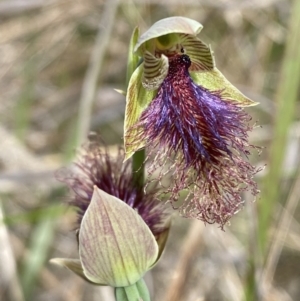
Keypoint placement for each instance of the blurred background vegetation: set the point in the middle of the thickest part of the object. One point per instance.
(60, 61)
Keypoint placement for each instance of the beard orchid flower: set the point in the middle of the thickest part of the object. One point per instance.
(121, 231)
(192, 122)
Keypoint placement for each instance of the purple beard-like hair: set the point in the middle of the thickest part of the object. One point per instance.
(96, 167)
(199, 141)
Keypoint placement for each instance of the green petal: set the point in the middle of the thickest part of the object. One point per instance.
(167, 26)
(215, 81)
(200, 54)
(155, 70)
(115, 245)
(137, 100)
(73, 265)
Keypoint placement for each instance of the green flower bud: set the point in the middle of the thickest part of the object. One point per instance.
(116, 247)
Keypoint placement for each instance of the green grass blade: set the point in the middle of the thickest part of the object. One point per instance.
(286, 98)
(41, 240)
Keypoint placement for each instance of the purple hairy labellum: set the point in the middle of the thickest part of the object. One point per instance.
(199, 139)
(95, 167)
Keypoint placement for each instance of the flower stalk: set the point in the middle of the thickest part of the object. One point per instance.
(138, 169)
(135, 292)
(139, 290)
(138, 158)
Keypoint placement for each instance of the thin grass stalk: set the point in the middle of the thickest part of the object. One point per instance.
(255, 260)
(189, 246)
(92, 74)
(286, 98)
(24, 105)
(41, 241)
(281, 232)
(8, 269)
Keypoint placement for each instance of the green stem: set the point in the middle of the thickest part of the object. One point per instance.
(143, 290)
(132, 293)
(138, 167)
(139, 157)
(133, 59)
(135, 292)
(251, 288)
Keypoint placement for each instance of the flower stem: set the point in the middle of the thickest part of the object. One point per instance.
(139, 157)
(132, 293)
(133, 59)
(138, 167)
(135, 292)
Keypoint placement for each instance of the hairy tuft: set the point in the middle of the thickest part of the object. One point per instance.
(199, 140)
(95, 166)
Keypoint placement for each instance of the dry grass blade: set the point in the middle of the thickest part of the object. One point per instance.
(13, 7)
(8, 270)
(281, 233)
(286, 97)
(94, 68)
(190, 245)
(230, 249)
